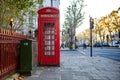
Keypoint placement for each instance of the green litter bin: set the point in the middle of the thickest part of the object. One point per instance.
(27, 56)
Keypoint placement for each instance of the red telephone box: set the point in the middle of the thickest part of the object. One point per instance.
(48, 36)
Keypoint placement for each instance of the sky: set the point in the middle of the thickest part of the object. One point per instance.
(94, 8)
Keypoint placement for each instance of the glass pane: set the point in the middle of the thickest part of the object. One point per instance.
(47, 36)
(53, 28)
(52, 36)
(45, 53)
(52, 43)
(52, 32)
(47, 43)
(48, 32)
(49, 53)
(48, 24)
(48, 47)
(52, 47)
(45, 48)
(52, 53)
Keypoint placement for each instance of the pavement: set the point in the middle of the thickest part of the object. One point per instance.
(79, 67)
(64, 49)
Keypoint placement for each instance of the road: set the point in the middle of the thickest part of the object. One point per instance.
(107, 52)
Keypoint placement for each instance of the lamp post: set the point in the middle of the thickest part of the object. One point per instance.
(11, 24)
(91, 27)
(51, 2)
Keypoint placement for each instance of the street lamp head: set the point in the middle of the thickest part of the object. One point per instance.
(11, 19)
(91, 23)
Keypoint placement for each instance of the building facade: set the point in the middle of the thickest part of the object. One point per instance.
(53, 3)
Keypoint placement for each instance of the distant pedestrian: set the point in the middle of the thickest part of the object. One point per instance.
(62, 45)
(84, 46)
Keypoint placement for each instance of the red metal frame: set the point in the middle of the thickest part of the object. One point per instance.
(48, 36)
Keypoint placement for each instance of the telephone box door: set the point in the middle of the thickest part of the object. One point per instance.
(48, 40)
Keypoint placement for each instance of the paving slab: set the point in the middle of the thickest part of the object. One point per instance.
(79, 67)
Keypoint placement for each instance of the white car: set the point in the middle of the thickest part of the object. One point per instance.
(116, 44)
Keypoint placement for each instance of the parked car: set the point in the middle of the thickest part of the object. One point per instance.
(97, 44)
(101, 44)
(115, 44)
(105, 45)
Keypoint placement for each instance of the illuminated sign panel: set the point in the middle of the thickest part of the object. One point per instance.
(49, 15)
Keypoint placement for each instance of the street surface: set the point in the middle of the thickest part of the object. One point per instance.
(107, 52)
(77, 65)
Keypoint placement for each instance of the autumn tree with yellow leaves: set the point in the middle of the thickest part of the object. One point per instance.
(106, 26)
